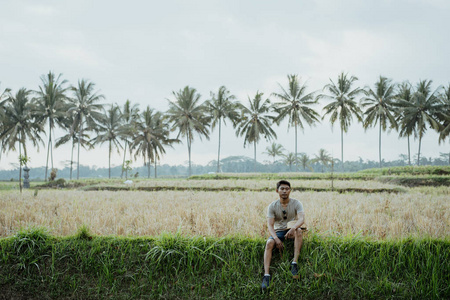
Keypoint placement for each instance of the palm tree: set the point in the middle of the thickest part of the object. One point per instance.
(420, 111)
(323, 158)
(344, 106)
(222, 107)
(295, 104)
(188, 116)
(379, 106)
(3, 99)
(108, 131)
(51, 106)
(85, 110)
(256, 121)
(444, 115)
(129, 118)
(72, 136)
(150, 137)
(405, 94)
(289, 160)
(274, 150)
(304, 161)
(20, 125)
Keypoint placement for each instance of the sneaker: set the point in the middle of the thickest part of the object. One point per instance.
(294, 270)
(265, 282)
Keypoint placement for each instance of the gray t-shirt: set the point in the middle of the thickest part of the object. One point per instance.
(275, 210)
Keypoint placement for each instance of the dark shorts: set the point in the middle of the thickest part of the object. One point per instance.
(280, 235)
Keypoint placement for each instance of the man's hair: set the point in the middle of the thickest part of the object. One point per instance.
(283, 182)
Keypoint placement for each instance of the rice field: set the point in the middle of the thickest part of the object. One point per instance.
(420, 212)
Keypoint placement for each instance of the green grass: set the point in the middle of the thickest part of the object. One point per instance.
(180, 267)
(409, 170)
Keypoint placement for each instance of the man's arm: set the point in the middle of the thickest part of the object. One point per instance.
(298, 224)
(270, 225)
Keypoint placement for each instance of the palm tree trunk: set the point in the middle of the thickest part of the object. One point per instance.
(148, 166)
(51, 152)
(189, 153)
(48, 149)
(20, 164)
(218, 153)
(342, 148)
(79, 142)
(418, 154)
(155, 167)
(109, 160)
(124, 155)
(71, 160)
(379, 144)
(254, 166)
(296, 162)
(409, 153)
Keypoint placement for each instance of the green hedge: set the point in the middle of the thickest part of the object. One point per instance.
(35, 264)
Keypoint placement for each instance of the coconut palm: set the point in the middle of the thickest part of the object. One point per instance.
(256, 121)
(130, 114)
(52, 108)
(405, 94)
(444, 115)
(188, 116)
(108, 130)
(420, 111)
(274, 150)
(222, 107)
(379, 107)
(20, 125)
(289, 160)
(344, 105)
(150, 137)
(85, 110)
(304, 161)
(323, 158)
(295, 104)
(72, 136)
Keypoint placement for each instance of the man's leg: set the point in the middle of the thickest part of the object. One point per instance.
(298, 242)
(268, 255)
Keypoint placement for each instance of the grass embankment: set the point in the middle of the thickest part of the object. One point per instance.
(36, 265)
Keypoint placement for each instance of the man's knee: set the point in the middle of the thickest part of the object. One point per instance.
(270, 244)
(299, 232)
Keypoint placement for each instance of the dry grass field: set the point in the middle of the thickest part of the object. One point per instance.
(421, 212)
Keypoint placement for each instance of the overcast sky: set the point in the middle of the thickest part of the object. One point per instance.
(144, 50)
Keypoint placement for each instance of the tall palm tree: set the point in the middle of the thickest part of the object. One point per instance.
(421, 110)
(20, 125)
(405, 94)
(256, 121)
(274, 150)
(222, 107)
(295, 104)
(304, 161)
(130, 114)
(323, 158)
(188, 116)
(72, 136)
(379, 107)
(289, 160)
(150, 137)
(85, 109)
(344, 106)
(108, 131)
(52, 108)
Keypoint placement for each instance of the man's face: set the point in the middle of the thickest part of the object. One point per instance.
(284, 190)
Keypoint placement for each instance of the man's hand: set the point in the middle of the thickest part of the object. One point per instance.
(279, 244)
(290, 234)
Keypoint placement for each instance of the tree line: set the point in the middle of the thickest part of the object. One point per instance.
(26, 115)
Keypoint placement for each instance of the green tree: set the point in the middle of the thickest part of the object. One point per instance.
(405, 94)
(51, 107)
(323, 158)
(444, 115)
(107, 130)
(343, 106)
(222, 107)
(304, 161)
(20, 125)
(130, 114)
(421, 111)
(72, 136)
(274, 150)
(289, 160)
(379, 108)
(188, 116)
(256, 121)
(295, 104)
(85, 110)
